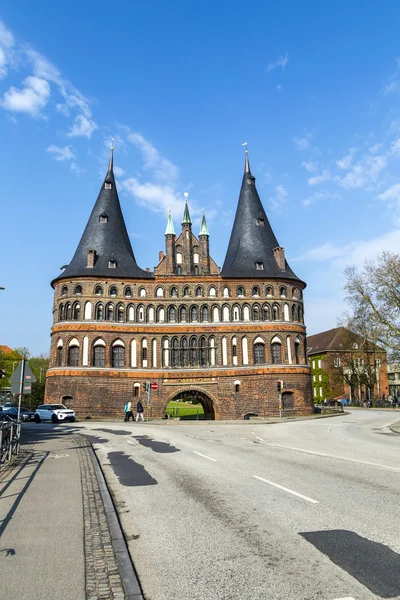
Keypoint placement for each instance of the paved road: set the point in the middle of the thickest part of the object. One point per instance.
(304, 510)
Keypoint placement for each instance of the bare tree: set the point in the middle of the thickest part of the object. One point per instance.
(374, 297)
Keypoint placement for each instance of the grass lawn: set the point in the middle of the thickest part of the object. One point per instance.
(181, 409)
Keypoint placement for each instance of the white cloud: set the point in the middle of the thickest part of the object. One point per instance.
(61, 154)
(303, 143)
(364, 172)
(375, 148)
(279, 199)
(280, 62)
(77, 169)
(392, 198)
(395, 146)
(279, 87)
(309, 166)
(6, 37)
(345, 162)
(324, 176)
(157, 198)
(3, 64)
(307, 202)
(6, 44)
(354, 253)
(30, 99)
(118, 171)
(162, 168)
(82, 126)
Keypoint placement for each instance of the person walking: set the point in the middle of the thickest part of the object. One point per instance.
(128, 411)
(139, 408)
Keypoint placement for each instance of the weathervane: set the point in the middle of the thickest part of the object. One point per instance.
(186, 194)
(245, 144)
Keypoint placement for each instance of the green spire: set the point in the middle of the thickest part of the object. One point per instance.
(186, 215)
(170, 225)
(204, 228)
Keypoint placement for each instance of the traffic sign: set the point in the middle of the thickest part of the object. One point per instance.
(26, 388)
(154, 385)
(29, 376)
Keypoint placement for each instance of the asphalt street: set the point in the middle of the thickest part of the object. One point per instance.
(302, 510)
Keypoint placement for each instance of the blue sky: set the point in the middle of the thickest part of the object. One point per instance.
(313, 87)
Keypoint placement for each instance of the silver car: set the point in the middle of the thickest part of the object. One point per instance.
(55, 413)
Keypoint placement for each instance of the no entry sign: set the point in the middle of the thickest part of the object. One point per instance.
(154, 385)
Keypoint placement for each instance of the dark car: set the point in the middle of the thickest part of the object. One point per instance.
(25, 413)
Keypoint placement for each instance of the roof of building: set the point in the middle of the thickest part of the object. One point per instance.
(203, 227)
(252, 239)
(108, 237)
(337, 340)
(170, 229)
(324, 341)
(6, 349)
(186, 215)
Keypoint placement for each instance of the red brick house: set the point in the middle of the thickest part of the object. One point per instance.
(346, 365)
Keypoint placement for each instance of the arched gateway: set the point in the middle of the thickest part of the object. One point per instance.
(201, 396)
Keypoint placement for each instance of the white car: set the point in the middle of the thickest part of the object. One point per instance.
(54, 413)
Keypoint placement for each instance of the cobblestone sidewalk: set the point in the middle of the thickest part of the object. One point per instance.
(103, 580)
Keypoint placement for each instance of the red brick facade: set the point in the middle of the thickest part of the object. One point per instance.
(225, 341)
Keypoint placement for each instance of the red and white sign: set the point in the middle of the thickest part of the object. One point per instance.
(154, 385)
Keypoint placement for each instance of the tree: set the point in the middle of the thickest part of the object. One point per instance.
(8, 363)
(374, 297)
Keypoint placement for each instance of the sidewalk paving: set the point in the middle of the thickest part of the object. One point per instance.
(55, 536)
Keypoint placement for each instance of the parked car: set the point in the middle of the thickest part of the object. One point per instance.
(54, 412)
(25, 413)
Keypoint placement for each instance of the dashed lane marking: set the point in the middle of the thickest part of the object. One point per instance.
(204, 456)
(285, 489)
(130, 442)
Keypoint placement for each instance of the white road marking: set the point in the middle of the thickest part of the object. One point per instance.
(204, 456)
(130, 442)
(361, 462)
(285, 489)
(347, 598)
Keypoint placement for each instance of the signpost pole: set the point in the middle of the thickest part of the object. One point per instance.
(21, 386)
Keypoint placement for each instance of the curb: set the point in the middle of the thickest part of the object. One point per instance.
(395, 428)
(130, 582)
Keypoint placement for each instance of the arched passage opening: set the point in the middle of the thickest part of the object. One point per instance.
(191, 404)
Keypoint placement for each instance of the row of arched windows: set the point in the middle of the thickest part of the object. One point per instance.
(180, 314)
(199, 291)
(179, 352)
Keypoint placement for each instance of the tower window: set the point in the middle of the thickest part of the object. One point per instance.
(112, 264)
(259, 266)
(108, 185)
(103, 218)
(260, 222)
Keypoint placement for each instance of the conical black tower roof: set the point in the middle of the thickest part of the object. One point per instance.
(252, 239)
(106, 234)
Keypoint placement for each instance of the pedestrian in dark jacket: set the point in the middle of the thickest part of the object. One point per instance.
(139, 409)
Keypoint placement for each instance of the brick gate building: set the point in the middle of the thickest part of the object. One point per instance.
(222, 336)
